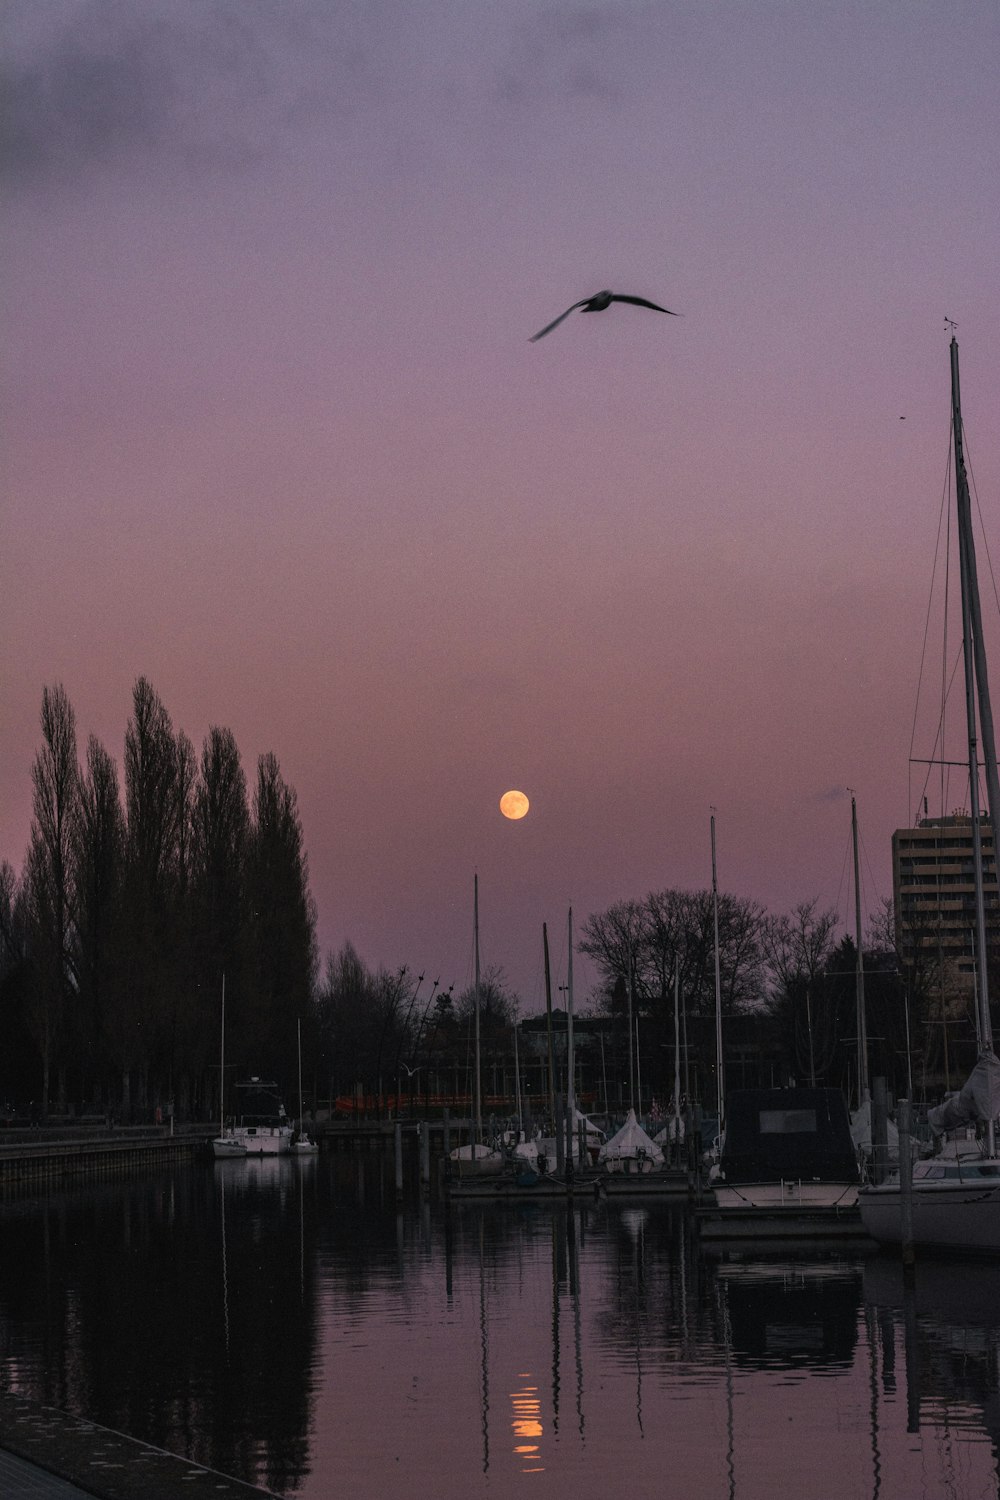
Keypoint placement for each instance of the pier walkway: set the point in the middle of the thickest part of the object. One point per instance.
(53, 1455)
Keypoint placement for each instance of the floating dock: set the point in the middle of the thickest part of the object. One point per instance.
(761, 1226)
(505, 1187)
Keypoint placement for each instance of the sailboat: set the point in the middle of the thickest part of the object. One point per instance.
(955, 1199)
(226, 1145)
(477, 1159)
(303, 1144)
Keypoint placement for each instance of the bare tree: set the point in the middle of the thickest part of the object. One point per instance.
(797, 946)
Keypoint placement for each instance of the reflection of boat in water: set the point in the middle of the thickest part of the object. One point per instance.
(786, 1149)
(950, 1327)
(955, 1200)
(792, 1314)
(263, 1129)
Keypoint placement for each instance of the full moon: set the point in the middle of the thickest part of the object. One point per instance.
(514, 804)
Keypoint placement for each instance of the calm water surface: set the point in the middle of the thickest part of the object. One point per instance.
(284, 1322)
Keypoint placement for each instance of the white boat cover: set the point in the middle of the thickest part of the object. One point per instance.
(594, 1133)
(978, 1099)
(631, 1141)
(861, 1131)
(672, 1131)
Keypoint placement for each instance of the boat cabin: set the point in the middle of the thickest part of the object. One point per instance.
(773, 1135)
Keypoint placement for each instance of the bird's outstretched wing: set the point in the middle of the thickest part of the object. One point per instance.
(642, 302)
(555, 323)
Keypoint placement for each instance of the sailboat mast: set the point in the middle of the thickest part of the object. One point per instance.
(222, 1065)
(570, 1058)
(548, 1021)
(677, 1037)
(976, 684)
(517, 1083)
(476, 1085)
(859, 969)
(298, 1037)
(719, 1067)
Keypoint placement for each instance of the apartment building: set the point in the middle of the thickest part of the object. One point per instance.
(934, 891)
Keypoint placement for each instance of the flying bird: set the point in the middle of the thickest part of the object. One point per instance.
(598, 303)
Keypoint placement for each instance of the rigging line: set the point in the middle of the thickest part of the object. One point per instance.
(843, 874)
(865, 861)
(938, 745)
(982, 523)
(944, 522)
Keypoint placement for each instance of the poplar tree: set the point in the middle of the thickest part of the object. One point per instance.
(55, 789)
(98, 874)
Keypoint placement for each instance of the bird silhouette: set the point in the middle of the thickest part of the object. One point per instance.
(597, 303)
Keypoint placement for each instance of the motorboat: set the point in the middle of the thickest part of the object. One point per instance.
(263, 1126)
(786, 1149)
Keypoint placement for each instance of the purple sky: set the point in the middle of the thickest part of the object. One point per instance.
(275, 436)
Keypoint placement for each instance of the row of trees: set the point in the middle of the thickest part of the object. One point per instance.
(132, 904)
(135, 899)
(788, 988)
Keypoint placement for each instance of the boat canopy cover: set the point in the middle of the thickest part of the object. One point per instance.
(631, 1141)
(861, 1131)
(594, 1132)
(978, 1099)
(260, 1102)
(774, 1134)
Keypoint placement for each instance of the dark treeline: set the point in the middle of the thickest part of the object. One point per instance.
(400, 1034)
(138, 894)
(788, 996)
(134, 900)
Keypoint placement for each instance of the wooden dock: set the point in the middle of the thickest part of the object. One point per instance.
(505, 1187)
(33, 1158)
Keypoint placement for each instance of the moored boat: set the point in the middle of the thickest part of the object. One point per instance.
(630, 1150)
(786, 1149)
(954, 1199)
(263, 1125)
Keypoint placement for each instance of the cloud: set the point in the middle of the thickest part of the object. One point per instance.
(209, 84)
(826, 795)
(566, 51)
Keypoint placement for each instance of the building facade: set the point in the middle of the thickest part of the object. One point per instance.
(934, 892)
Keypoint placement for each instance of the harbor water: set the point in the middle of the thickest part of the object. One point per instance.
(291, 1323)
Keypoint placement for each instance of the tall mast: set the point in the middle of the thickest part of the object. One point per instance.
(677, 1040)
(864, 1090)
(631, 1036)
(548, 1021)
(719, 1067)
(222, 1064)
(570, 1059)
(476, 1085)
(976, 685)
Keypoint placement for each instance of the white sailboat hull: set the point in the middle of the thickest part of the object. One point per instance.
(947, 1215)
(477, 1161)
(227, 1148)
(265, 1140)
